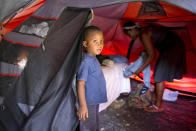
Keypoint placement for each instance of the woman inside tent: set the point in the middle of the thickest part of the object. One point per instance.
(171, 62)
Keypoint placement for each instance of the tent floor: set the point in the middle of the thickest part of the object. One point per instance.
(177, 116)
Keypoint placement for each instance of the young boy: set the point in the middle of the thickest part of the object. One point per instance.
(91, 85)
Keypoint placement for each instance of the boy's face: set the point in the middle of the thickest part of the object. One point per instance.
(94, 43)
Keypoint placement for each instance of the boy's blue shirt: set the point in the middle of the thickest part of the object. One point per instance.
(95, 84)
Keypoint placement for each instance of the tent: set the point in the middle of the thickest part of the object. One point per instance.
(42, 96)
(159, 13)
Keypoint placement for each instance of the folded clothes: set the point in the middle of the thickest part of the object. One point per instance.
(119, 58)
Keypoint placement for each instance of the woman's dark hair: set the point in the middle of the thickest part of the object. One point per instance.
(128, 24)
(89, 29)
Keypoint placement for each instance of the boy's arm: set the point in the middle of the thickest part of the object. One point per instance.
(83, 110)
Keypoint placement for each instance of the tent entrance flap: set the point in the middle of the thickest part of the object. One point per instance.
(46, 82)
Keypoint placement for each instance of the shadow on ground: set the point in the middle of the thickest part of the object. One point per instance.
(177, 116)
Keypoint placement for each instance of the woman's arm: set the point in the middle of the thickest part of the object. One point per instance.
(83, 110)
(148, 46)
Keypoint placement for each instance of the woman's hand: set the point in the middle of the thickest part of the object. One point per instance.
(138, 71)
(82, 112)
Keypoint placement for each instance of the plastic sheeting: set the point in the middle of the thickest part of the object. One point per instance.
(8, 7)
(46, 82)
(18, 16)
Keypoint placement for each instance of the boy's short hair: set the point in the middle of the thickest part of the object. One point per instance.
(89, 29)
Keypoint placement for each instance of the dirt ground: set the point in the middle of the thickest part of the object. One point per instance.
(177, 116)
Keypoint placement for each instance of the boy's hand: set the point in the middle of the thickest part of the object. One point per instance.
(82, 112)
